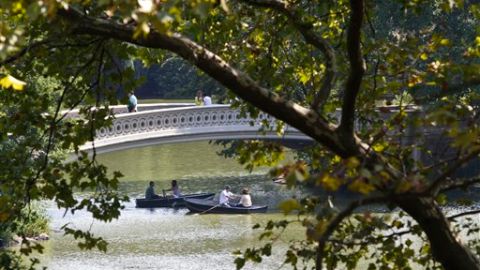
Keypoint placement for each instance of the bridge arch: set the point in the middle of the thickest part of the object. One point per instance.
(185, 124)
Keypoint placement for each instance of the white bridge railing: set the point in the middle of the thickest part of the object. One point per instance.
(183, 124)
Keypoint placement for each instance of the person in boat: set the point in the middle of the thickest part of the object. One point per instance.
(280, 179)
(150, 192)
(226, 196)
(174, 189)
(245, 199)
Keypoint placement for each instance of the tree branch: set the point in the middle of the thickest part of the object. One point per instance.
(333, 224)
(54, 123)
(372, 241)
(440, 180)
(450, 90)
(357, 69)
(460, 184)
(23, 51)
(306, 29)
(37, 44)
(305, 120)
(473, 212)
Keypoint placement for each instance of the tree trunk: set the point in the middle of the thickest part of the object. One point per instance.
(446, 247)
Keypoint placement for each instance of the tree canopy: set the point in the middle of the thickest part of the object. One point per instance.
(175, 78)
(322, 67)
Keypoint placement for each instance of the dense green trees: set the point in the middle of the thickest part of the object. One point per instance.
(299, 61)
(174, 78)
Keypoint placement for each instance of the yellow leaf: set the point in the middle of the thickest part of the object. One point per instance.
(424, 56)
(320, 227)
(379, 147)
(403, 186)
(414, 80)
(336, 159)
(11, 82)
(361, 186)
(141, 30)
(3, 217)
(329, 182)
(289, 205)
(352, 163)
(445, 42)
(384, 175)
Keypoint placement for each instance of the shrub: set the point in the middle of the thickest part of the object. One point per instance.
(31, 222)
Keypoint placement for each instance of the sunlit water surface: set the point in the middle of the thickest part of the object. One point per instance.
(174, 239)
(168, 238)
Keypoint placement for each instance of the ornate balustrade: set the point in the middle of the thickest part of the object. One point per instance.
(119, 109)
(183, 124)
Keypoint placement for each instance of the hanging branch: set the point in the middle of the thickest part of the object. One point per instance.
(333, 224)
(306, 29)
(357, 69)
(305, 120)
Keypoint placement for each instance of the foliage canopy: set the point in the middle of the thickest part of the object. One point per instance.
(301, 61)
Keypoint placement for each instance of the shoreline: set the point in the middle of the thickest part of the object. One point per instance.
(17, 240)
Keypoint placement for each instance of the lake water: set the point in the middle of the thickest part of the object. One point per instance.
(168, 238)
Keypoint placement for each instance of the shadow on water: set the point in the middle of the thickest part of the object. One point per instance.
(166, 238)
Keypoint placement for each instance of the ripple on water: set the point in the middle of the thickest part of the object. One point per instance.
(162, 239)
(168, 238)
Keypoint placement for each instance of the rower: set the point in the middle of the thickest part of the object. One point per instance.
(225, 196)
(150, 192)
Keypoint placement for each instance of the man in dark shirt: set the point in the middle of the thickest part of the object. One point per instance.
(150, 192)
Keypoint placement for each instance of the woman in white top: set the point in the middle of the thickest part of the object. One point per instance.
(207, 100)
(245, 199)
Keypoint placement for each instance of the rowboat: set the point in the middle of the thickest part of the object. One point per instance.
(210, 206)
(170, 201)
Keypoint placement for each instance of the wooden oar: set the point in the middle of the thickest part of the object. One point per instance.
(213, 207)
(210, 209)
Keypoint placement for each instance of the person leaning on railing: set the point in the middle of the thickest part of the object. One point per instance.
(207, 100)
(199, 98)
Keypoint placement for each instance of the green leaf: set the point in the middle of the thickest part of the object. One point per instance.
(239, 262)
(441, 199)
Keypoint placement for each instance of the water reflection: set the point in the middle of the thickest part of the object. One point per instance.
(173, 161)
(169, 238)
(166, 238)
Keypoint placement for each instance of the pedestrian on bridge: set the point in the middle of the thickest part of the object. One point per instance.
(132, 102)
(199, 98)
(207, 100)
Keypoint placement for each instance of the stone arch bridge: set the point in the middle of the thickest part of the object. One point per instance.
(174, 123)
(156, 125)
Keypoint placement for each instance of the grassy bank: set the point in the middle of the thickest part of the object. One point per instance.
(31, 222)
